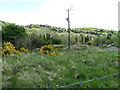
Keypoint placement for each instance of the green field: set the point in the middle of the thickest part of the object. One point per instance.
(35, 70)
(88, 58)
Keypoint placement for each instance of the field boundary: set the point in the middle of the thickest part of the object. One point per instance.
(88, 80)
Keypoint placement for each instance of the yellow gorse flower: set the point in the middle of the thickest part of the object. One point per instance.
(0, 47)
(58, 49)
(24, 50)
(8, 48)
(48, 49)
(117, 56)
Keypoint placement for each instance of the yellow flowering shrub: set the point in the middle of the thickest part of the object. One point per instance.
(24, 50)
(117, 56)
(52, 54)
(8, 48)
(0, 47)
(48, 49)
(0, 51)
(58, 49)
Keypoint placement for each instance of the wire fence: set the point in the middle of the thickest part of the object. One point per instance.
(88, 80)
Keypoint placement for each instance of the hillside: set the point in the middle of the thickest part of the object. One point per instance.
(30, 58)
(58, 35)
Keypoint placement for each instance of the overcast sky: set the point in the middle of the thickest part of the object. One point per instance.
(86, 13)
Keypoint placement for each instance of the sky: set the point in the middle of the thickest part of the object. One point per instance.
(84, 13)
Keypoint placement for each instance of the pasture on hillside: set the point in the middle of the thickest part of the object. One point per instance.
(37, 56)
(35, 70)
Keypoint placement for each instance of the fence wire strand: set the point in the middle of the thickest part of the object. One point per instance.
(88, 80)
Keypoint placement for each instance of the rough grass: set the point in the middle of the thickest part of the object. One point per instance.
(35, 70)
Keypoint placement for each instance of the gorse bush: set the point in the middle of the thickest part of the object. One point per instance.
(117, 55)
(24, 50)
(8, 48)
(48, 49)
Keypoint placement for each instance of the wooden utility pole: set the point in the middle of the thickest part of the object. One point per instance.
(68, 19)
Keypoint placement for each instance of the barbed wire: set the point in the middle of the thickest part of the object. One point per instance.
(88, 80)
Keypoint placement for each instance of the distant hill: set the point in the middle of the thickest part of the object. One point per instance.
(55, 35)
(85, 30)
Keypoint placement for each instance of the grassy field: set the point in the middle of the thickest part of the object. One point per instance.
(35, 70)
